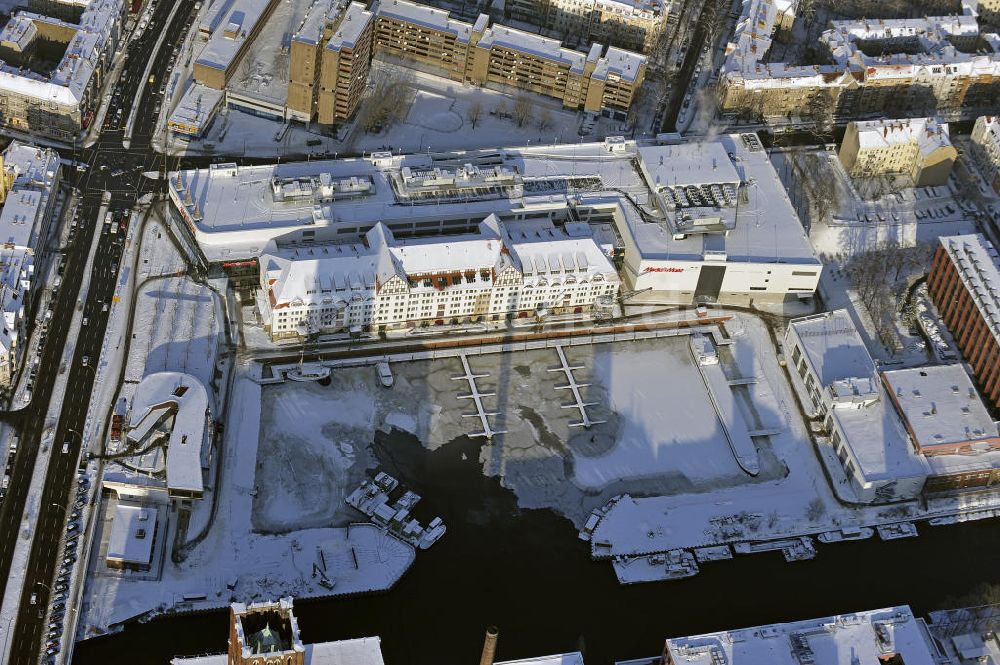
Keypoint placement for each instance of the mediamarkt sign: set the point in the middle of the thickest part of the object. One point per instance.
(652, 269)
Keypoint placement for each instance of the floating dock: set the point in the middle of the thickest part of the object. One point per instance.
(734, 425)
(574, 386)
(477, 397)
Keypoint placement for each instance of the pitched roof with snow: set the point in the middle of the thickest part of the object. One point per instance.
(67, 83)
(927, 133)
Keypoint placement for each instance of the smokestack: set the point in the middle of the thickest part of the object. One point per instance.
(489, 646)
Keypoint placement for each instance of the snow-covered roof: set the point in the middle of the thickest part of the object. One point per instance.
(836, 355)
(978, 266)
(67, 83)
(35, 170)
(195, 109)
(861, 637)
(696, 163)
(236, 214)
(305, 275)
(361, 651)
(762, 227)
(335, 274)
(132, 530)
(927, 133)
(19, 31)
(941, 407)
(355, 20)
(430, 17)
(754, 30)
(185, 398)
(16, 270)
(833, 347)
(572, 658)
(231, 32)
(528, 42)
(619, 62)
(321, 12)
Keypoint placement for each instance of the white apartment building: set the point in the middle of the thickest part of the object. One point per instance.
(386, 283)
(986, 148)
(28, 175)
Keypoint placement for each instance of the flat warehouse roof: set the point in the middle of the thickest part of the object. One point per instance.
(242, 19)
(940, 406)
(236, 214)
(866, 636)
(132, 531)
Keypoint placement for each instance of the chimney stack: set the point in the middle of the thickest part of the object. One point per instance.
(489, 646)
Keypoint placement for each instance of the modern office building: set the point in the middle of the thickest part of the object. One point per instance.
(894, 435)
(964, 283)
(58, 103)
(986, 148)
(918, 148)
(829, 363)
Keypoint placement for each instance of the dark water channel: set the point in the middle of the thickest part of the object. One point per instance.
(526, 572)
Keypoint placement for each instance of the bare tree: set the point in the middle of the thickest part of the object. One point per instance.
(388, 101)
(545, 120)
(500, 110)
(522, 110)
(474, 113)
(820, 109)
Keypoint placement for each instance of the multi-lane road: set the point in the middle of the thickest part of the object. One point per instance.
(110, 168)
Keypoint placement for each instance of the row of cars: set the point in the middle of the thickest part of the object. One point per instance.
(61, 584)
(5, 482)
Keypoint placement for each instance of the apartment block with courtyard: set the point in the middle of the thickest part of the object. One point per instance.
(52, 67)
(943, 66)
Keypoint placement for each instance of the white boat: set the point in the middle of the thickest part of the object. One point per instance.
(384, 373)
(308, 372)
(433, 533)
(847, 533)
(898, 530)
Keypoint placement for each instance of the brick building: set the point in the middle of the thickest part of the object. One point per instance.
(964, 283)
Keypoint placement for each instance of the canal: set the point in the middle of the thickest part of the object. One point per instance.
(526, 572)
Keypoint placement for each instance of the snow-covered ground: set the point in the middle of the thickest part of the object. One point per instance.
(235, 563)
(437, 120)
(876, 213)
(178, 326)
(802, 502)
(661, 436)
